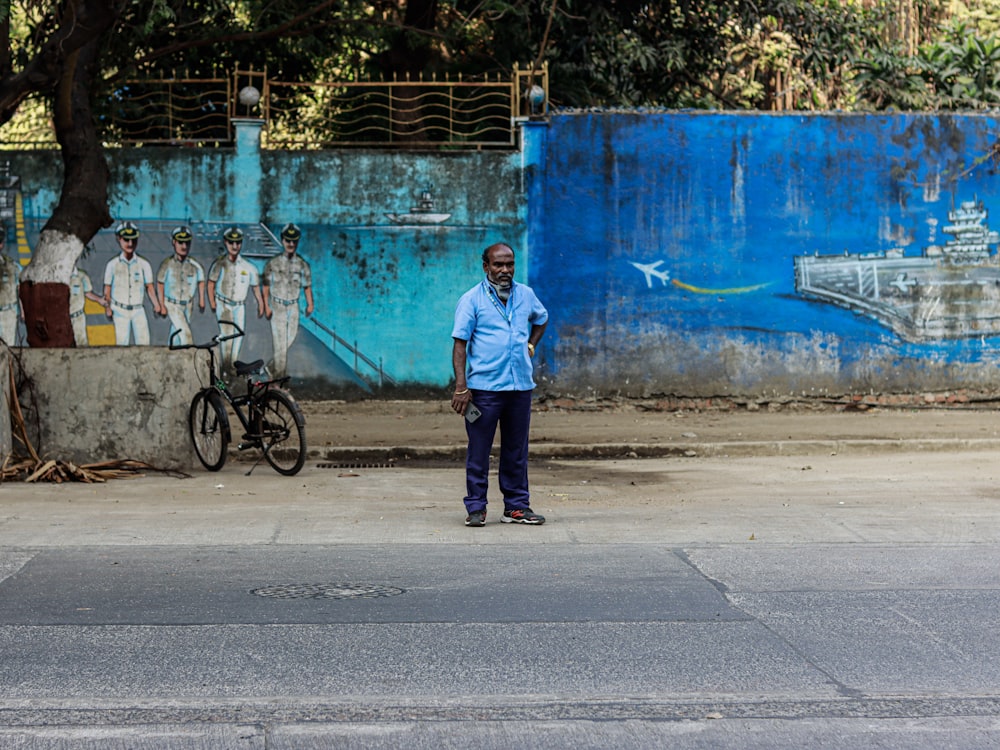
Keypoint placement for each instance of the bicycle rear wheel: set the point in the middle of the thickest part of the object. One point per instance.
(209, 426)
(282, 432)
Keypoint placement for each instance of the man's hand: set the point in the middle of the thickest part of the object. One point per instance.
(460, 400)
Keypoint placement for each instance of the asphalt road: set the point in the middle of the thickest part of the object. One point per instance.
(846, 600)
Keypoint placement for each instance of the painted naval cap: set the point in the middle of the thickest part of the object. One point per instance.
(233, 234)
(127, 230)
(291, 232)
(181, 234)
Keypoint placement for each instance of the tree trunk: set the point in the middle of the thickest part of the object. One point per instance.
(409, 54)
(81, 212)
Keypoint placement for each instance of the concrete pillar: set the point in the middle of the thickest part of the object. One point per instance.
(534, 136)
(247, 172)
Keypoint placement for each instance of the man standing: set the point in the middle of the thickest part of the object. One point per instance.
(498, 324)
(80, 290)
(178, 278)
(10, 278)
(229, 279)
(285, 277)
(125, 277)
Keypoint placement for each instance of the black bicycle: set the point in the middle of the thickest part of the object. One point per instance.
(272, 421)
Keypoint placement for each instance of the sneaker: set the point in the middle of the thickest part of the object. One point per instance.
(476, 518)
(522, 515)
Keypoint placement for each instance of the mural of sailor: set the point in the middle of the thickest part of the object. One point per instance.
(178, 279)
(10, 277)
(125, 277)
(285, 278)
(81, 288)
(230, 278)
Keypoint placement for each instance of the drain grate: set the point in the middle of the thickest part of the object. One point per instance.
(327, 591)
(328, 465)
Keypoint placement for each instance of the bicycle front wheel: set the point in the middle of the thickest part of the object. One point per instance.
(209, 426)
(282, 432)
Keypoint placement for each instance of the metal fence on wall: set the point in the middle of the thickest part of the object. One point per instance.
(460, 113)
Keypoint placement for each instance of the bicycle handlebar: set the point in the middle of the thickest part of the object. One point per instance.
(215, 340)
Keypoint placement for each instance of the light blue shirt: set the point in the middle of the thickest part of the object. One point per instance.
(497, 353)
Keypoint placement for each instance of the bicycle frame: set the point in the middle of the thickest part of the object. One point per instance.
(248, 407)
(244, 406)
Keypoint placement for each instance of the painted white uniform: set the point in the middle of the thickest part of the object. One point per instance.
(232, 284)
(79, 285)
(10, 277)
(180, 279)
(128, 280)
(285, 278)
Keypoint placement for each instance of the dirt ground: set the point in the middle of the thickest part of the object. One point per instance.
(432, 423)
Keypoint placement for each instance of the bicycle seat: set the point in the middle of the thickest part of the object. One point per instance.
(247, 368)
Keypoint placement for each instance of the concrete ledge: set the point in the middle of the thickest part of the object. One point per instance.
(722, 449)
(109, 403)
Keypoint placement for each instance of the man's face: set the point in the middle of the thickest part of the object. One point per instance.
(289, 245)
(128, 245)
(182, 248)
(233, 248)
(499, 266)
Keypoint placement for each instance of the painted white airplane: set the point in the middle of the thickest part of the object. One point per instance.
(902, 283)
(650, 269)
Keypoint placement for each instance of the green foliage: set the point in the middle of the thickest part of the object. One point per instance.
(963, 69)
(718, 54)
(890, 80)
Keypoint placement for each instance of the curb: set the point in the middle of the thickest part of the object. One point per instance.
(725, 449)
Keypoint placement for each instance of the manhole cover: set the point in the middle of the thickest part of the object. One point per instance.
(326, 591)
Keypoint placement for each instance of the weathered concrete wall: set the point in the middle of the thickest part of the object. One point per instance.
(389, 289)
(113, 403)
(670, 245)
(671, 248)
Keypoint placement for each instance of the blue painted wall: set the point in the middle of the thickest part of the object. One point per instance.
(720, 205)
(716, 207)
(388, 289)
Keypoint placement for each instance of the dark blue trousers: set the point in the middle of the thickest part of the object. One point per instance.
(511, 410)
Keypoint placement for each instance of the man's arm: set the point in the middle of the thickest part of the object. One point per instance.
(309, 300)
(461, 398)
(153, 298)
(537, 331)
(107, 300)
(266, 295)
(260, 301)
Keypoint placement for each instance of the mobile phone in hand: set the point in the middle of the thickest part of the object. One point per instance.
(472, 413)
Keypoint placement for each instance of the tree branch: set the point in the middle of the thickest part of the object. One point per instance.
(286, 29)
(83, 21)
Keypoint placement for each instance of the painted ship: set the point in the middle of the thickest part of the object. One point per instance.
(949, 291)
(422, 213)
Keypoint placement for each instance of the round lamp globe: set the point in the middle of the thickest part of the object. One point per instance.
(249, 96)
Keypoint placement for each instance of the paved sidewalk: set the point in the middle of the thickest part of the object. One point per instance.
(393, 473)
